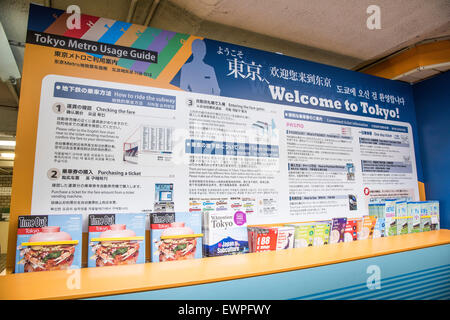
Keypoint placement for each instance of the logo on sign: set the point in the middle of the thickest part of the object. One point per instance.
(33, 221)
(101, 219)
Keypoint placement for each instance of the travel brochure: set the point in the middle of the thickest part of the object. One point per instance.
(337, 230)
(224, 226)
(48, 242)
(352, 228)
(116, 239)
(368, 227)
(213, 227)
(380, 228)
(263, 238)
(175, 236)
(322, 231)
(401, 213)
(304, 234)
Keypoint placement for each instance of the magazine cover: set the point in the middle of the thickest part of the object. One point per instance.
(373, 210)
(225, 230)
(48, 242)
(390, 220)
(262, 239)
(270, 238)
(322, 231)
(401, 212)
(116, 239)
(435, 222)
(285, 239)
(351, 229)
(175, 236)
(414, 208)
(337, 230)
(379, 230)
(425, 216)
(368, 226)
(303, 234)
(376, 209)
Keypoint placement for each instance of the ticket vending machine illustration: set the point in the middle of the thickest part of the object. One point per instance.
(163, 197)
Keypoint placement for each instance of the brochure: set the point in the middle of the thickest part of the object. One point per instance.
(261, 239)
(322, 231)
(389, 215)
(270, 238)
(376, 209)
(351, 229)
(414, 209)
(285, 239)
(304, 234)
(116, 239)
(48, 242)
(175, 236)
(435, 221)
(380, 228)
(425, 216)
(337, 230)
(225, 231)
(368, 226)
(401, 212)
(372, 209)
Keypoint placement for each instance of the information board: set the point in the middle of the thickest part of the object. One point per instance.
(120, 118)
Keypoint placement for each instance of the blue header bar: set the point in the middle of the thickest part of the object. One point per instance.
(231, 148)
(342, 122)
(118, 96)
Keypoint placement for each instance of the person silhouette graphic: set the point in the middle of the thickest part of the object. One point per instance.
(197, 76)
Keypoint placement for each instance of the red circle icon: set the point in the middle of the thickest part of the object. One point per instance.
(366, 191)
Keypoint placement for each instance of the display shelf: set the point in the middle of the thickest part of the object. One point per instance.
(105, 281)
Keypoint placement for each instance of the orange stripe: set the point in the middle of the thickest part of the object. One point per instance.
(420, 56)
(177, 61)
(130, 36)
(422, 196)
(59, 26)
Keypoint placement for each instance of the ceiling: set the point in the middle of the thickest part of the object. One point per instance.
(326, 31)
(425, 72)
(337, 26)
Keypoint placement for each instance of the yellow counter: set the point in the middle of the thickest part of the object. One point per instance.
(95, 282)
